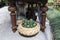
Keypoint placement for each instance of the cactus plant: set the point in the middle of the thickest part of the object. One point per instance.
(28, 23)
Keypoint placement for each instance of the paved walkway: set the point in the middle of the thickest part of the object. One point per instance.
(7, 34)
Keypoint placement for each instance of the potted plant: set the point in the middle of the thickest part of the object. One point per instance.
(28, 27)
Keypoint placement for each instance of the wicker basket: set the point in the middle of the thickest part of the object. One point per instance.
(28, 31)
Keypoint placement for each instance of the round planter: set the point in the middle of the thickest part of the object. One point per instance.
(28, 31)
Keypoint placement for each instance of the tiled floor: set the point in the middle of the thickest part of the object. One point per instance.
(7, 34)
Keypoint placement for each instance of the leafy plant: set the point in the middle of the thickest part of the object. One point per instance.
(58, 8)
(4, 1)
(50, 4)
(28, 23)
(54, 18)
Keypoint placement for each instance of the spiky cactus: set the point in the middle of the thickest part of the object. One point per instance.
(29, 23)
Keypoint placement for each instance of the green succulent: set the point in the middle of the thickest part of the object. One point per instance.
(28, 23)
